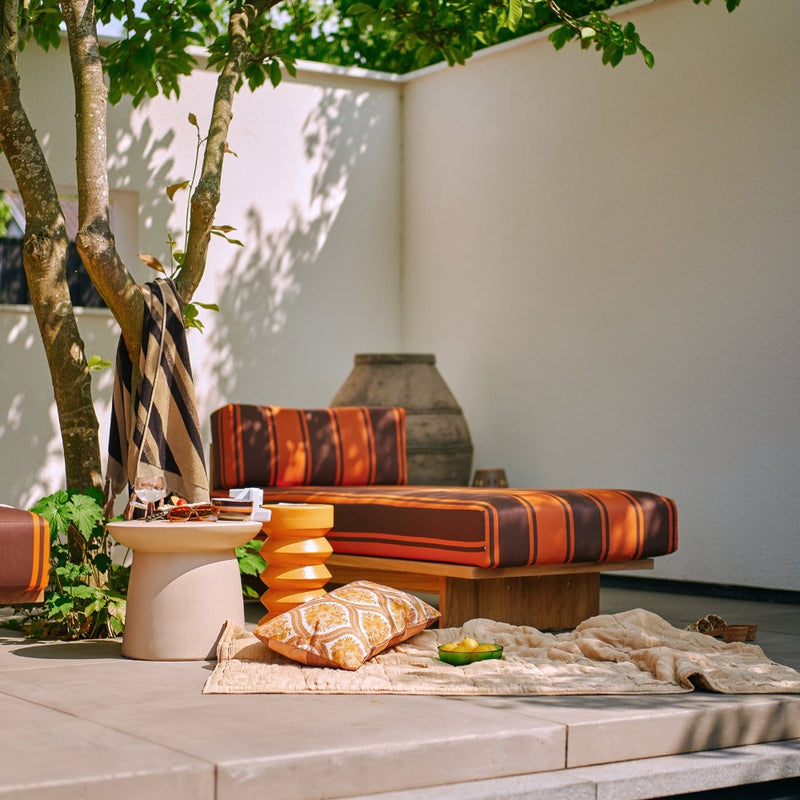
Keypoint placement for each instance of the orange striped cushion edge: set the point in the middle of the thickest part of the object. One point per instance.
(25, 548)
(495, 527)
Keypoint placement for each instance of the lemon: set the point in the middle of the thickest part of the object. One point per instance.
(485, 647)
(469, 644)
(450, 646)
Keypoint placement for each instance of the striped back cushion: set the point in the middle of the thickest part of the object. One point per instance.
(24, 550)
(275, 446)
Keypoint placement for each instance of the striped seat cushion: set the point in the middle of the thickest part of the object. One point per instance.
(274, 446)
(24, 551)
(494, 527)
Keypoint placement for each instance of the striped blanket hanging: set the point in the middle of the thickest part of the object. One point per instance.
(160, 433)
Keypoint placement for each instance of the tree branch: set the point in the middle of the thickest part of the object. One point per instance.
(206, 196)
(95, 241)
(44, 256)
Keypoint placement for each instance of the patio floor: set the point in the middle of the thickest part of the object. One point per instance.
(79, 721)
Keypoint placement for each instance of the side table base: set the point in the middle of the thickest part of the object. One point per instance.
(178, 604)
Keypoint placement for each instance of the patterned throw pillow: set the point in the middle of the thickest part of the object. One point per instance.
(347, 626)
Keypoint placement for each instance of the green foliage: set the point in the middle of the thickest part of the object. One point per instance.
(96, 363)
(400, 36)
(610, 38)
(5, 215)
(156, 50)
(163, 39)
(251, 564)
(86, 597)
(729, 4)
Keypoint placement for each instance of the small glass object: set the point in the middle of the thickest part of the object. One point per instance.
(150, 489)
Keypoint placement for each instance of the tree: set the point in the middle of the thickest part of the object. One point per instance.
(248, 43)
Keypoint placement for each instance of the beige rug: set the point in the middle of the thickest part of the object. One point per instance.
(635, 652)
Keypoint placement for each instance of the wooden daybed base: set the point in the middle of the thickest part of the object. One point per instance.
(547, 597)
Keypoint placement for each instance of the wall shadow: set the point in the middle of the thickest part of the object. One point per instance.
(267, 277)
(30, 440)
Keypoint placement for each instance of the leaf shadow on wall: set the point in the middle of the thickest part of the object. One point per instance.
(260, 317)
(29, 426)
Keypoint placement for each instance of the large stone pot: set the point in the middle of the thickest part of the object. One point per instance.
(437, 438)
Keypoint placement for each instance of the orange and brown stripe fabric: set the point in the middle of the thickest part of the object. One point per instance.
(275, 446)
(355, 460)
(24, 550)
(494, 527)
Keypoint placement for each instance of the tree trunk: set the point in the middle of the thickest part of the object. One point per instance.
(44, 259)
(95, 241)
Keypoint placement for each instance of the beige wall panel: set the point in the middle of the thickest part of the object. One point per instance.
(605, 262)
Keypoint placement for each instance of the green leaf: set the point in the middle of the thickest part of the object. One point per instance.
(560, 36)
(85, 513)
(275, 72)
(52, 508)
(289, 64)
(250, 560)
(97, 363)
(249, 592)
(81, 592)
(102, 562)
(207, 306)
(514, 13)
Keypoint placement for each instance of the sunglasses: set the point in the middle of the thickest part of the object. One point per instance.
(186, 513)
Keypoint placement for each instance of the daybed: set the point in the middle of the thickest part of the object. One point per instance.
(24, 556)
(523, 556)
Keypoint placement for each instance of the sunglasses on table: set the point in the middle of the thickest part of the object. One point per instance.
(202, 512)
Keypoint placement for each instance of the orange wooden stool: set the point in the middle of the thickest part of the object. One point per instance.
(295, 551)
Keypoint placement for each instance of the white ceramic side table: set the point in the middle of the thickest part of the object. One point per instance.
(184, 585)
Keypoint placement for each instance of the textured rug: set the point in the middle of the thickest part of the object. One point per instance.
(635, 652)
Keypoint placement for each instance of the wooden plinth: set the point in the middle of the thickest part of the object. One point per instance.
(295, 551)
(550, 597)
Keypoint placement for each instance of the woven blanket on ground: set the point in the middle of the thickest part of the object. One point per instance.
(158, 432)
(635, 652)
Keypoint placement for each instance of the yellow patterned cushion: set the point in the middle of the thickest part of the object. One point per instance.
(347, 626)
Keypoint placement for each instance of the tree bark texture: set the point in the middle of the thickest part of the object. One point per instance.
(207, 193)
(95, 240)
(44, 259)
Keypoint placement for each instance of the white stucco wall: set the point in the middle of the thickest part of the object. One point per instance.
(313, 196)
(605, 262)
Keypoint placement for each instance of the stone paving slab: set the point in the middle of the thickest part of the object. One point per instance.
(78, 720)
(48, 755)
(615, 728)
(671, 776)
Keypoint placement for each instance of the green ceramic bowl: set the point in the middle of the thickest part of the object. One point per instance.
(461, 659)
